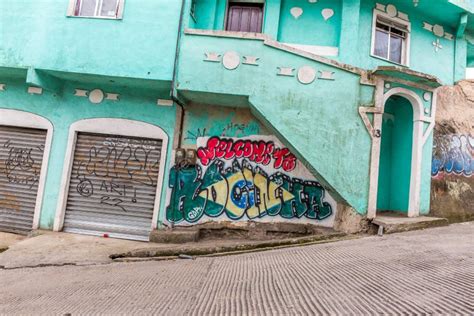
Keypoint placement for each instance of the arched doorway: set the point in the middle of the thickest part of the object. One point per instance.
(396, 154)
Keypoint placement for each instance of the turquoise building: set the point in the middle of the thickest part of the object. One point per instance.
(119, 117)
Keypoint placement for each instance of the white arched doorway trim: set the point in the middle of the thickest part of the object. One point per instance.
(110, 126)
(16, 118)
(417, 147)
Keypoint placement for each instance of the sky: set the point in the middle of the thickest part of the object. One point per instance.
(470, 73)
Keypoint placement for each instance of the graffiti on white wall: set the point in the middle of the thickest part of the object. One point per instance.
(252, 178)
(453, 154)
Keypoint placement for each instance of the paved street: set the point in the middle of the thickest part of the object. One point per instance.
(421, 272)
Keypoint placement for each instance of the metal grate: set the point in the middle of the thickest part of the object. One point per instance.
(113, 186)
(21, 157)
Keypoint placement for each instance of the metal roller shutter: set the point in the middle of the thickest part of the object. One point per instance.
(21, 158)
(113, 186)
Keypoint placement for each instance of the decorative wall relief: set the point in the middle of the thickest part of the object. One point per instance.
(438, 31)
(231, 60)
(453, 154)
(243, 179)
(327, 14)
(437, 45)
(296, 12)
(96, 96)
(35, 90)
(392, 11)
(251, 60)
(285, 71)
(306, 74)
(212, 57)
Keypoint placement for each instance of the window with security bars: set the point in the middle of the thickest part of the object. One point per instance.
(390, 41)
(110, 9)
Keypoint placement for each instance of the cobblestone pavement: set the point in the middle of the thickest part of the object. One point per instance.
(424, 272)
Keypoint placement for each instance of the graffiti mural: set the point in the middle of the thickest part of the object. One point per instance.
(241, 179)
(453, 154)
(260, 152)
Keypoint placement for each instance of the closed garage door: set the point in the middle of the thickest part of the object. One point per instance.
(113, 186)
(21, 158)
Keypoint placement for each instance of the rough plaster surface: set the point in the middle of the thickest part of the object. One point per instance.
(349, 221)
(417, 273)
(455, 109)
(452, 196)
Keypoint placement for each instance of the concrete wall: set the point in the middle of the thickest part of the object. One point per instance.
(141, 45)
(242, 173)
(347, 26)
(452, 190)
(306, 117)
(423, 57)
(65, 109)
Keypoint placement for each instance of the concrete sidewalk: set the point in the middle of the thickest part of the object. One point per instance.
(48, 248)
(57, 249)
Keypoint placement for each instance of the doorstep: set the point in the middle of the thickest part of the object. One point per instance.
(394, 223)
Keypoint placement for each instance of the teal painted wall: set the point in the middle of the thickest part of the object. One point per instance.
(350, 29)
(141, 45)
(310, 28)
(319, 121)
(396, 155)
(205, 121)
(64, 110)
(423, 57)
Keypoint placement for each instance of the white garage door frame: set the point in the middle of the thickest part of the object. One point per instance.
(22, 119)
(109, 126)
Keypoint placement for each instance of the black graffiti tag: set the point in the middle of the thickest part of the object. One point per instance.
(20, 167)
(115, 169)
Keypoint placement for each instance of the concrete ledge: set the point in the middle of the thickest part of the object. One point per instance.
(237, 246)
(176, 236)
(395, 224)
(241, 230)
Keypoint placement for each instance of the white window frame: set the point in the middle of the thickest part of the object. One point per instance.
(119, 9)
(405, 47)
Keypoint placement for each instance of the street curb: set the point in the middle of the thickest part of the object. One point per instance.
(220, 251)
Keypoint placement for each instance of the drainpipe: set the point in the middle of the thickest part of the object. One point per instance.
(174, 94)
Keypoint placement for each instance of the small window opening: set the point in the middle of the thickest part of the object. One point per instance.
(390, 41)
(97, 8)
(244, 17)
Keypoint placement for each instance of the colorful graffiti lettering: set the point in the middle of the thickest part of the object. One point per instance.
(453, 154)
(260, 152)
(242, 190)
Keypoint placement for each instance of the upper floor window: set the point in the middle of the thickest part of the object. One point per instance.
(111, 9)
(244, 17)
(390, 40)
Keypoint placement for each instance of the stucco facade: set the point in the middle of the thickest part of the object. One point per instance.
(162, 117)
